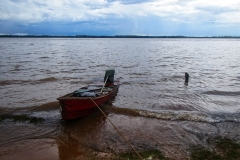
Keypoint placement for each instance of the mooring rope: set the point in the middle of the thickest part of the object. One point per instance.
(117, 129)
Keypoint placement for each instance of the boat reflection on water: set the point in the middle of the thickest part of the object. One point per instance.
(79, 137)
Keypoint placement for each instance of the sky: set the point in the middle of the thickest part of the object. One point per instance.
(120, 17)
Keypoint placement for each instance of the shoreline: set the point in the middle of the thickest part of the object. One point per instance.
(94, 138)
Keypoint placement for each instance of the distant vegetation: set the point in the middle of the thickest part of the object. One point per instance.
(116, 36)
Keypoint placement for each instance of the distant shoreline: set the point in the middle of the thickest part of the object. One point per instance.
(116, 36)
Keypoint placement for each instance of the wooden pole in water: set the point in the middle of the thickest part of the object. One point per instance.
(117, 129)
(186, 78)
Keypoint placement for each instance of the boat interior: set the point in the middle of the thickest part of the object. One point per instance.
(92, 90)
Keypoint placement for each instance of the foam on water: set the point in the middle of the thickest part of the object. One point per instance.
(192, 116)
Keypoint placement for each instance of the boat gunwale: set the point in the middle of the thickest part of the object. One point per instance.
(66, 97)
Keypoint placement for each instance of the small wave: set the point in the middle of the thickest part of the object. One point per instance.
(78, 69)
(139, 74)
(222, 93)
(191, 116)
(132, 66)
(148, 83)
(161, 65)
(21, 82)
(167, 57)
(49, 111)
(168, 115)
(126, 83)
(45, 107)
(124, 111)
(12, 82)
(99, 65)
(50, 79)
(233, 66)
(177, 115)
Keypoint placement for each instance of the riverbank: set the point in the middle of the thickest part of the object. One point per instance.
(93, 137)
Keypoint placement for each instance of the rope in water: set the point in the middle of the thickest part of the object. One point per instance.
(117, 129)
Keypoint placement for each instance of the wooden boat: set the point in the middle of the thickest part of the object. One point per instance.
(80, 102)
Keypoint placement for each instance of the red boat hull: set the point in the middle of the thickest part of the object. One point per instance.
(77, 107)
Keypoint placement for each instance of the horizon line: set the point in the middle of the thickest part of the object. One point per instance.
(113, 36)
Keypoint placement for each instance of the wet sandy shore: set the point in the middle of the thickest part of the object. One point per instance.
(94, 136)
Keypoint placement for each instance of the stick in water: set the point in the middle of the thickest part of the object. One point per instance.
(186, 78)
(117, 129)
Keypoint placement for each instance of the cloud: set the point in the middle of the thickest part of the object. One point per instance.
(32, 11)
(115, 13)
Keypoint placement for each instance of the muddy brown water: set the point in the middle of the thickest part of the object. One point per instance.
(153, 108)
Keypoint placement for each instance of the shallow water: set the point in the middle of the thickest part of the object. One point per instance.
(153, 108)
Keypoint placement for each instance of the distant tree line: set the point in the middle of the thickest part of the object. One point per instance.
(116, 36)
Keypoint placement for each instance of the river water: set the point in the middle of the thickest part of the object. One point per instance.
(153, 108)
